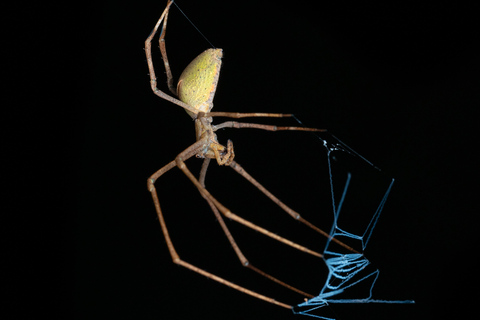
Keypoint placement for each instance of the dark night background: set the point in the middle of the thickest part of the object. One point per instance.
(398, 83)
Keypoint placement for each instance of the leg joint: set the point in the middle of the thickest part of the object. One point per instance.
(150, 184)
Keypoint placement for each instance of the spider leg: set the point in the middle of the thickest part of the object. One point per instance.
(239, 169)
(229, 214)
(242, 125)
(163, 50)
(238, 115)
(151, 69)
(189, 152)
(242, 172)
(243, 260)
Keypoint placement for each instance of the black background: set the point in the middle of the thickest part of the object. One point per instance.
(83, 131)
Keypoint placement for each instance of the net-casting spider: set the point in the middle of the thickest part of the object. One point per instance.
(195, 91)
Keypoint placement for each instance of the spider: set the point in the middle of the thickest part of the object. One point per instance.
(195, 91)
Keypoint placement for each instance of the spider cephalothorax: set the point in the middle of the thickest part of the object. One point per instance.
(212, 149)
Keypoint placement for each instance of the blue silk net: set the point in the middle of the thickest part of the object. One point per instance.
(346, 269)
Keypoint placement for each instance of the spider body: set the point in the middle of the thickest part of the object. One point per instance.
(196, 87)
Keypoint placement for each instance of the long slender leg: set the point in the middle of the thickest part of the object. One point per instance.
(163, 50)
(151, 69)
(189, 152)
(238, 115)
(243, 260)
(239, 169)
(242, 125)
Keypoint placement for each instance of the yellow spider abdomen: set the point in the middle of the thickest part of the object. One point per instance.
(198, 82)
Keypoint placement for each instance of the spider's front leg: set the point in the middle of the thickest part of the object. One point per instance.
(151, 70)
